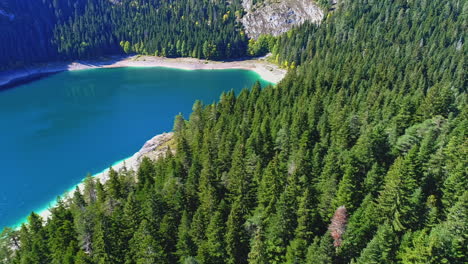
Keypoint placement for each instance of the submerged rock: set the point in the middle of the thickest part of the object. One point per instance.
(4, 13)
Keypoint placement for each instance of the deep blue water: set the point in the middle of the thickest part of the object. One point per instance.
(56, 130)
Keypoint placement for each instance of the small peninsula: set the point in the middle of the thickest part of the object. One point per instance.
(153, 149)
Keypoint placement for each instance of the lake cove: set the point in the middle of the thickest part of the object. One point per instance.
(56, 130)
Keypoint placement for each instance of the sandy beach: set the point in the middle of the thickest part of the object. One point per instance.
(267, 71)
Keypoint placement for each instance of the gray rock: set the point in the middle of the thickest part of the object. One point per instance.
(276, 17)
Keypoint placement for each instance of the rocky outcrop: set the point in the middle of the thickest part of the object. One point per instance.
(278, 16)
(156, 147)
(153, 149)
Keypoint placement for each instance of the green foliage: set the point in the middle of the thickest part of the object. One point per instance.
(373, 118)
(381, 249)
(395, 199)
(9, 241)
(144, 248)
(261, 46)
(213, 249)
(320, 250)
(444, 243)
(81, 29)
(185, 245)
(237, 239)
(257, 254)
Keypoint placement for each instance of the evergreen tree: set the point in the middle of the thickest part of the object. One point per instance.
(237, 245)
(115, 187)
(144, 248)
(321, 250)
(395, 198)
(257, 254)
(308, 225)
(371, 115)
(185, 245)
(381, 249)
(62, 235)
(213, 249)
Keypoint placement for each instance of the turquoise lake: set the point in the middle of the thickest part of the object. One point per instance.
(55, 130)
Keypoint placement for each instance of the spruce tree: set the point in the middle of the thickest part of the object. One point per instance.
(381, 249)
(213, 249)
(144, 248)
(185, 245)
(237, 239)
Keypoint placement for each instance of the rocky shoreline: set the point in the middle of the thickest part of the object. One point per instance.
(153, 149)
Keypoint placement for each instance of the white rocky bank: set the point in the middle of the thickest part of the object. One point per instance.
(153, 149)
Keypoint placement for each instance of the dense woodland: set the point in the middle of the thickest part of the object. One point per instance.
(358, 156)
(83, 29)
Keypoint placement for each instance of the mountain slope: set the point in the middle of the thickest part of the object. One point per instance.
(84, 29)
(358, 156)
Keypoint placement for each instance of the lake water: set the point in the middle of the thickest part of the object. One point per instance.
(56, 130)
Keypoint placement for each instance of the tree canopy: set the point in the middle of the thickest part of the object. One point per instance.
(372, 122)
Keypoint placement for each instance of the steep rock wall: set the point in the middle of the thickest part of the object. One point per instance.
(278, 16)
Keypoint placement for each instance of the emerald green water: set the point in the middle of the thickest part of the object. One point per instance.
(56, 130)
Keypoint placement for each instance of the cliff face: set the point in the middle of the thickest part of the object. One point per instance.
(278, 16)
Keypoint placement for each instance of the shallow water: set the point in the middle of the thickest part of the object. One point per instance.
(56, 130)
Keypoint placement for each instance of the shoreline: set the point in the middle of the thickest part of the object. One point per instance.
(266, 70)
(154, 149)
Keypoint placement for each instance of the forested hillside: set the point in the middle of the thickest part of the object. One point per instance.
(359, 155)
(46, 30)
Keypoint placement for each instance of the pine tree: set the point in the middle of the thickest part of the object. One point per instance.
(185, 245)
(168, 234)
(271, 184)
(101, 241)
(31, 240)
(212, 250)
(144, 248)
(9, 241)
(381, 249)
(444, 243)
(281, 226)
(308, 225)
(62, 235)
(360, 229)
(240, 181)
(117, 236)
(132, 215)
(394, 200)
(82, 258)
(257, 254)
(90, 189)
(321, 250)
(114, 186)
(350, 188)
(236, 234)
(145, 174)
